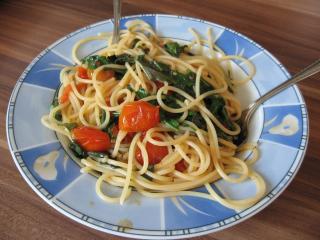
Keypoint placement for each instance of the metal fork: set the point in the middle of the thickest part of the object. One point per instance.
(116, 17)
(249, 111)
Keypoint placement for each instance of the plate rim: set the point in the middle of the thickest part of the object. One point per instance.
(15, 93)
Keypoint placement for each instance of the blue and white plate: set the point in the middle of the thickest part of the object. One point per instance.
(280, 127)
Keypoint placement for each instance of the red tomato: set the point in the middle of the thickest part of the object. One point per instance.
(114, 131)
(155, 153)
(105, 75)
(159, 84)
(91, 139)
(128, 138)
(108, 101)
(138, 116)
(82, 73)
(181, 166)
(68, 89)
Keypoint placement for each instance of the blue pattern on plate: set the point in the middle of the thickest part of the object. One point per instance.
(273, 167)
(169, 27)
(83, 198)
(151, 19)
(196, 212)
(268, 75)
(64, 48)
(45, 73)
(66, 170)
(31, 104)
(280, 113)
(234, 44)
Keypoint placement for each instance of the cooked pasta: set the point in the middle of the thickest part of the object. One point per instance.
(155, 116)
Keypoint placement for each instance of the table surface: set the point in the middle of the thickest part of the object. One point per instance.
(290, 29)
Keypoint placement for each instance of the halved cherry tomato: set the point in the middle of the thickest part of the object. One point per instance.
(155, 153)
(105, 75)
(82, 73)
(128, 138)
(181, 166)
(114, 131)
(138, 116)
(91, 139)
(108, 101)
(68, 89)
(159, 84)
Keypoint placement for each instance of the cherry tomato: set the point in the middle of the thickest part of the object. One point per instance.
(82, 73)
(108, 101)
(181, 166)
(105, 75)
(68, 89)
(155, 153)
(128, 138)
(138, 116)
(91, 139)
(159, 84)
(114, 131)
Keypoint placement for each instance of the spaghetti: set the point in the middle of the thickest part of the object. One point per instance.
(156, 116)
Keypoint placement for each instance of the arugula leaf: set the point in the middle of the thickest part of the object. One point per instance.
(161, 67)
(161, 72)
(216, 105)
(197, 119)
(174, 49)
(151, 169)
(54, 104)
(103, 116)
(142, 93)
(77, 150)
(171, 101)
(97, 154)
(95, 61)
(123, 58)
(70, 126)
(172, 123)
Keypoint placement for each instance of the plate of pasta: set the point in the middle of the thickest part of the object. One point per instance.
(142, 138)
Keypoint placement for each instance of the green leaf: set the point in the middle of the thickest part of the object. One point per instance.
(216, 105)
(151, 169)
(55, 103)
(95, 61)
(197, 119)
(98, 154)
(142, 93)
(70, 126)
(102, 116)
(174, 49)
(123, 58)
(77, 150)
(172, 123)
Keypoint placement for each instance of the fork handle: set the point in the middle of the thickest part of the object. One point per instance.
(303, 74)
(117, 16)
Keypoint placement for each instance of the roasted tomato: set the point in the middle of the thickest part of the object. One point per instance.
(91, 139)
(138, 116)
(181, 166)
(155, 153)
(68, 89)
